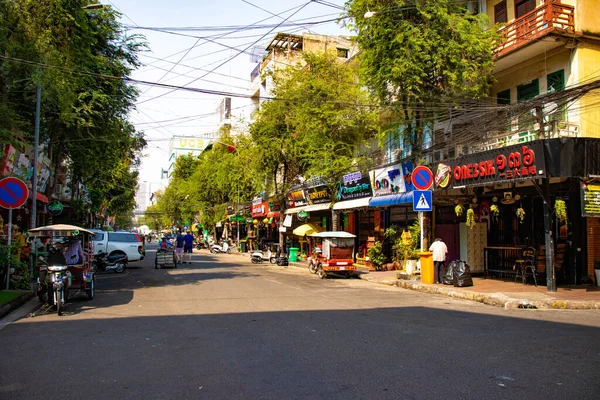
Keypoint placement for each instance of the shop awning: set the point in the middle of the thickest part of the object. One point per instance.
(314, 207)
(392, 200)
(349, 204)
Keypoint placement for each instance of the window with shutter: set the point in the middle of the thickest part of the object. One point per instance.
(522, 7)
(500, 15)
(503, 98)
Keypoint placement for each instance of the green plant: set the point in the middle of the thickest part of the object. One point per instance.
(376, 256)
(495, 210)
(19, 271)
(521, 214)
(408, 248)
(459, 209)
(560, 209)
(470, 218)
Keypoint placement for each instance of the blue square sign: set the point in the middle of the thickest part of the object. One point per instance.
(422, 200)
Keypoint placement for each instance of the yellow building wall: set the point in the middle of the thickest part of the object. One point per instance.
(588, 70)
(538, 67)
(587, 15)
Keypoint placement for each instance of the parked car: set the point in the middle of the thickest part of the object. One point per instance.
(127, 243)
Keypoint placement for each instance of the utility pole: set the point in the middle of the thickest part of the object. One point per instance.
(36, 144)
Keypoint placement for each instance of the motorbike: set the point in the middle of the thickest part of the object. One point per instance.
(115, 262)
(260, 256)
(201, 244)
(215, 248)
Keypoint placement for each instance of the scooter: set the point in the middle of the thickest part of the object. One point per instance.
(201, 244)
(104, 263)
(215, 248)
(259, 256)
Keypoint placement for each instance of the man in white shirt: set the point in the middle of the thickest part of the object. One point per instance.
(439, 250)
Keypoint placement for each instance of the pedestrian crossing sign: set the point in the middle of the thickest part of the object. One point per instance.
(422, 200)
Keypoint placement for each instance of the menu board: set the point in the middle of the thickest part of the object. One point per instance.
(590, 200)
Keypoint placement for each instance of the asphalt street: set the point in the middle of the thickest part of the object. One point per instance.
(223, 328)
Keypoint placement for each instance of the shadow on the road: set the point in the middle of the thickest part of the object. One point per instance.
(79, 303)
(383, 353)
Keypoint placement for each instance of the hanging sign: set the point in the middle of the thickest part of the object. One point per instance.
(590, 200)
(297, 198)
(302, 215)
(319, 194)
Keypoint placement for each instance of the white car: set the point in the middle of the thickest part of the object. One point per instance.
(127, 243)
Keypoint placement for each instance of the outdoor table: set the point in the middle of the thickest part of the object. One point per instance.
(500, 260)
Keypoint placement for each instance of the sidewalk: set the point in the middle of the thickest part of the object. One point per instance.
(494, 292)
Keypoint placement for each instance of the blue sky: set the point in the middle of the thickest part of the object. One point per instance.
(178, 60)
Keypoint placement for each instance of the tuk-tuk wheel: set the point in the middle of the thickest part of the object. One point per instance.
(321, 272)
(91, 290)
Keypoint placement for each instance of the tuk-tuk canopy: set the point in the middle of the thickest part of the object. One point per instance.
(59, 230)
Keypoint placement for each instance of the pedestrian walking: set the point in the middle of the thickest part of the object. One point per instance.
(439, 250)
(179, 242)
(188, 245)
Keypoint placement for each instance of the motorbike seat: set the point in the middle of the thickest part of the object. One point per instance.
(116, 257)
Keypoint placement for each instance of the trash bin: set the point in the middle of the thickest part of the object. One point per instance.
(243, 246)
(294, 254)
(426, 267)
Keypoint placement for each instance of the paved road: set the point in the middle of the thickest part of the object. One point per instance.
(223, 328)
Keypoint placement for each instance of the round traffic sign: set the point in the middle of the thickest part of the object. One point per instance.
(13, 193)
(422, 177)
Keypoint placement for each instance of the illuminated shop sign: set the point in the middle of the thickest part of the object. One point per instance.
(389, 180)
(354, 186)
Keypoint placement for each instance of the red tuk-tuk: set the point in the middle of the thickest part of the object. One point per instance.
(334, 255)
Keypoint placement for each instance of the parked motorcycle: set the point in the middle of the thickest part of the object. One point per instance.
(260, 256)
(201, 244)
(115, 262)
(215, 248)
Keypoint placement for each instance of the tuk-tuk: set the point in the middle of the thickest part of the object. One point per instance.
(334, 255)
(63, 256)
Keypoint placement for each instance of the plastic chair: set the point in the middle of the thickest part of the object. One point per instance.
(525, 266)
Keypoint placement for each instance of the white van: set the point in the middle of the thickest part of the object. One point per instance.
(127, 243)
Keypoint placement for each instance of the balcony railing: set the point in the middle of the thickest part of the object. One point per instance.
(552, 130)
(535, 24)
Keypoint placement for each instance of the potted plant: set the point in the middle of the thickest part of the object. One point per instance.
(407, 247)
(376, 256)
(495, 210)
(521, 214)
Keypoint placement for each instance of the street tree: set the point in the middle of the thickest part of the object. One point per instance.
(312, 127)
(422, 57)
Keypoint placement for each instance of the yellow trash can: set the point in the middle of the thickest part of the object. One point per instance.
(426, 267)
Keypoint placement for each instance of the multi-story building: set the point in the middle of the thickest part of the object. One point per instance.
(188, 145)
(286, 49)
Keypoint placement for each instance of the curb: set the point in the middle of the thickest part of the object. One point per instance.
(492, 299)
(15, 303)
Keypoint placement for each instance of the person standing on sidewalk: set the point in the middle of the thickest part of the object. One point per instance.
(439, 250)
(179, 242)
(188, 245)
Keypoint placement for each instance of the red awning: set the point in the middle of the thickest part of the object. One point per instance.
(39, 197)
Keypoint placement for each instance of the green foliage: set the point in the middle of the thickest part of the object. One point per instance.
(560, 209)
(376, 256)
(470, 218)
(418, 55)
(84, 117)
(313, 127)
(9, 257)
(404, 248)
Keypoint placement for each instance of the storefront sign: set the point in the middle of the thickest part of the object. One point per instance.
(590, 200)
(494, 166)
(55, 208)
(319, 194)
(389, 180)
(260, 209)
(354, 186)
(297, 198)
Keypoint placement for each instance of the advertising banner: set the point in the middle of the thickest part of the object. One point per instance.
(297, 198)
(355, 185)
(590, 200)
(388, 180)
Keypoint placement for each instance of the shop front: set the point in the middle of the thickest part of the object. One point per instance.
(516, 212)
(351, 212)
